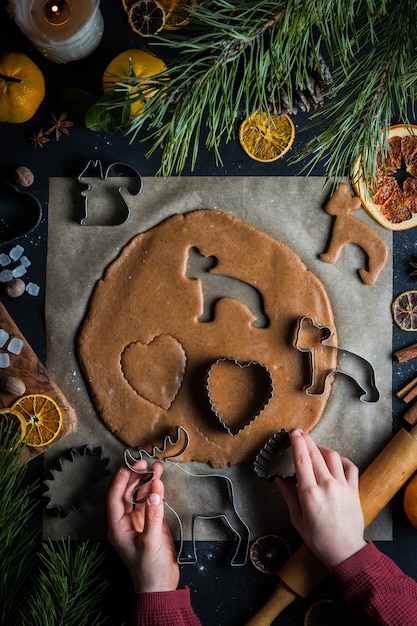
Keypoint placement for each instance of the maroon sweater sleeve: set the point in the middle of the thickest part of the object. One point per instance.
(373, 584)
(164, 608)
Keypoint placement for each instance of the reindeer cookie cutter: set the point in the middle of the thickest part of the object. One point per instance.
(214, 501)
(350, 364)
(119, 211)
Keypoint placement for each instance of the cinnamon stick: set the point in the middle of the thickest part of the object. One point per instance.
(410, 415)
(405, 354)
(409, 388)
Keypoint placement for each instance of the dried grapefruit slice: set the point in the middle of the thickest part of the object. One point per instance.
(266, 138)
(404, 310)
(42, 416)
(393, 199)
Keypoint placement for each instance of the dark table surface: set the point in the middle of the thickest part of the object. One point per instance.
(221, 594)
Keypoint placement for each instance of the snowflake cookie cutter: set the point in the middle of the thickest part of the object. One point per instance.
(110, 208)
(352, 365)
(213, 492)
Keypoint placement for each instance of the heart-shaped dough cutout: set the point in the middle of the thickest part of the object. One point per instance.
(155, 370)
(238, 392)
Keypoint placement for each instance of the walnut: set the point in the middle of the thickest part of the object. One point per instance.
(23, 176)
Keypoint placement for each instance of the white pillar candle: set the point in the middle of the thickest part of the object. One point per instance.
(62, 30)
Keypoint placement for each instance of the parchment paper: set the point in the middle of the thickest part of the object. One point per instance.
(290, 209)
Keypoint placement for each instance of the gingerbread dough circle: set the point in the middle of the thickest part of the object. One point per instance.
(150, 337)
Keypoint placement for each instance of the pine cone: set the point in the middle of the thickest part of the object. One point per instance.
(305, 96)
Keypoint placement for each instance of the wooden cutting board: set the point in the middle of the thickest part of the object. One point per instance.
(18, 359)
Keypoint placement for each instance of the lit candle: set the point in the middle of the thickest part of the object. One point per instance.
(62, 30)
(57, 12)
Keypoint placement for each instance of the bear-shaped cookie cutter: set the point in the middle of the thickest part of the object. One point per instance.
(315, 340)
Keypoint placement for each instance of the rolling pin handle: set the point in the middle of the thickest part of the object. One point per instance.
(281, 597)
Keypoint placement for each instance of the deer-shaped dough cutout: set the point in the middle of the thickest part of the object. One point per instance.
(349, 229)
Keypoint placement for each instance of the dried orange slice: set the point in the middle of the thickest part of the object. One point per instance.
(404, 310)
(410, 501)
(12, 423)
(392, 201)
(328, 612)
(266, 138)
(42, 416)
(269, 553)
(146, 18)
(177, 13)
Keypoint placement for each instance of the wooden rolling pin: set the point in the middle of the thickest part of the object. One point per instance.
(377, 486)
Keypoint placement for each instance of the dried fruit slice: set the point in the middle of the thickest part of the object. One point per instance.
(146, 18)
(43, 419)
(12, 422)
(404, 310)
(266, 138)
(328, 612)
(269, 553)
(392, 201)
(177, 13)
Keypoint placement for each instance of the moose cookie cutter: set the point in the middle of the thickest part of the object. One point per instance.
(119, 211)
(214, 493)
(314, 339)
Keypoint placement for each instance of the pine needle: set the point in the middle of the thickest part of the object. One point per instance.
(69, 589)
(235, 58)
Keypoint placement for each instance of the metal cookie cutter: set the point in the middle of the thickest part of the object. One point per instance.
(275, 458)
(313, 338)
(20, 213)
(210, 496)
(110, 208)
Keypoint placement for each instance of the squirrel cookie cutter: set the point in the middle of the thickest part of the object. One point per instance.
(112, 208)
(314, 339)
(214, 493)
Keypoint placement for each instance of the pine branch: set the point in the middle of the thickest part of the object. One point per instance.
(69, 589)
(367, 97)
(264, 54)
(17, 544)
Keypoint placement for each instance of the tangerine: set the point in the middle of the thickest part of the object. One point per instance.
(42, 416)
(144, 65)
(22, 87)
(410, 501)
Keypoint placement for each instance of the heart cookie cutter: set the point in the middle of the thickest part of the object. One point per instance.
(119, 211)
(263, 399)
(350, 364)
(213, 492)
(20, 213)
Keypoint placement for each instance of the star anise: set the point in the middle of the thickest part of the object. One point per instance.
(414, 266)
(60, 125)
(38, 139)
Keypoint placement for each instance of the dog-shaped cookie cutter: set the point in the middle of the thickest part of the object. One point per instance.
(350, 364)
(214, 501)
